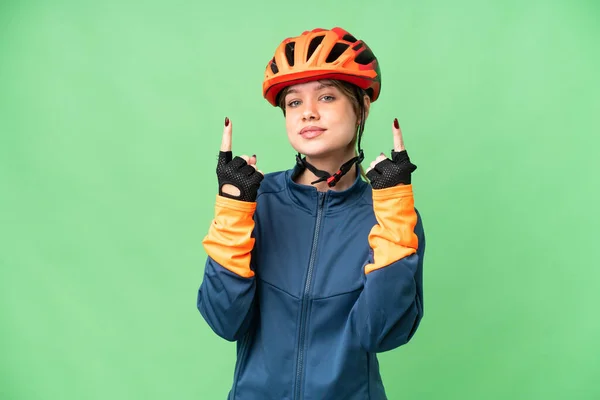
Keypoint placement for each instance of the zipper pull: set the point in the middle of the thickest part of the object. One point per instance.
(322, 199)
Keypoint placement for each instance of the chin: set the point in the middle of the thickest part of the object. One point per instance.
(314, 150)
(312, 147)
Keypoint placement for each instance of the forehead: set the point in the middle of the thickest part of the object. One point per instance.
(310, 87)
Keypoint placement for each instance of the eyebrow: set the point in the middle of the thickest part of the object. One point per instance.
(320, 87)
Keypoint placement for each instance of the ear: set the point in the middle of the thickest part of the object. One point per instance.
(367, 104)
(367, 101)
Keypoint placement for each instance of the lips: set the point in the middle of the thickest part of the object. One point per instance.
(310, 132)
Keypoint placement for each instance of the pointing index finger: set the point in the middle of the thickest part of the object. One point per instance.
(398, 140)
(226, 141)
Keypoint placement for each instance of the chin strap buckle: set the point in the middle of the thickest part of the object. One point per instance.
(335, 178)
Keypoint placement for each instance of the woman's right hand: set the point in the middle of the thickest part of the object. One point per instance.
(238, 177)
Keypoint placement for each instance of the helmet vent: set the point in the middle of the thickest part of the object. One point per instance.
(365, 57)
(314, 43)
(349, 38)
(289, 53)
(336, 52)
(358, 46)
(274, 66)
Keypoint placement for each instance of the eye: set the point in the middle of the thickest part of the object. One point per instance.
(294, 103)
(327, 98)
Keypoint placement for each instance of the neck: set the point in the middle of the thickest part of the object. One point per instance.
(331, 165)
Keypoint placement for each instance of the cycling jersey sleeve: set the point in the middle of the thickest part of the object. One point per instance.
(226, 295)
(390, 308)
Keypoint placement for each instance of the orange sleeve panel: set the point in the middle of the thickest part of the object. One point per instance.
(393, 238)
(229, 240)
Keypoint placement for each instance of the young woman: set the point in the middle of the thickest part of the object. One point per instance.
(316, 269)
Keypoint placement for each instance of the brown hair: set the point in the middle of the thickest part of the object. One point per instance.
(352, 92)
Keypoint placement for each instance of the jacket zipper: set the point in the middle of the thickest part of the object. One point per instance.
(304, 312)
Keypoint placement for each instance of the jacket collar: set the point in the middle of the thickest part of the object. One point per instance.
(307, 196)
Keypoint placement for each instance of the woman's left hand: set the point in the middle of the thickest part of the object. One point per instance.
(384, 173)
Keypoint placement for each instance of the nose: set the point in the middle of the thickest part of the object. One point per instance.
(310, 111)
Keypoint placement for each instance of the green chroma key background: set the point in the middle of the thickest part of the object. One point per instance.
(111, 116)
